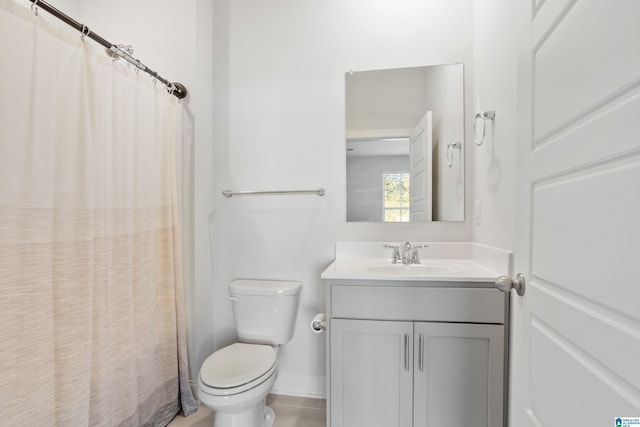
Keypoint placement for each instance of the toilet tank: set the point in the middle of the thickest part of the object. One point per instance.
(265, 311)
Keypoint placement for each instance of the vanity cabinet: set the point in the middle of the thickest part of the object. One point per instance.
(422, 355)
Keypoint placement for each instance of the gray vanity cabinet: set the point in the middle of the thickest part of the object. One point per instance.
(423, 356)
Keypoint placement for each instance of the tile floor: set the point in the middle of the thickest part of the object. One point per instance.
(290, 411)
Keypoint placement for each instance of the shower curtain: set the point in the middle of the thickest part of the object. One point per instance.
(92, 329)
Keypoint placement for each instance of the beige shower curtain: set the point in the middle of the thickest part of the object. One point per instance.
(91, 301)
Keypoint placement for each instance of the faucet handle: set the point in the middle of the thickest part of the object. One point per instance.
(415, 255)
(396, 253)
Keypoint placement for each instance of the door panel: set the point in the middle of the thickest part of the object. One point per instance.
(580, 323)
(421, 170)
(580, 230)
(568, 388)
(590, 43)
(605, 135)
(576, 332)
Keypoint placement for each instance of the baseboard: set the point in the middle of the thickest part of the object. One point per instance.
(300, 385)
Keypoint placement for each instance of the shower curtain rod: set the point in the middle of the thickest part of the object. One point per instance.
(176, 89)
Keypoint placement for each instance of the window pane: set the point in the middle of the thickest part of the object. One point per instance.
(396, 197)
(393, 216)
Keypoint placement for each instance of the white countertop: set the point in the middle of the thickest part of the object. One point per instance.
(448, 270)
(456, 262)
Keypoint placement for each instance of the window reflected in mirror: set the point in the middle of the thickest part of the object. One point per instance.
(396, 201)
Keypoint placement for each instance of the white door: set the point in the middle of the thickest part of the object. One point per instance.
(576, 331)
(371, 373)
(421, 170)
(458, 375)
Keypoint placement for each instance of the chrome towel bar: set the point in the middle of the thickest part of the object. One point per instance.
(229, 193)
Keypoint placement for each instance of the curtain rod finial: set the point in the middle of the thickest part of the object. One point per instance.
(180, 90)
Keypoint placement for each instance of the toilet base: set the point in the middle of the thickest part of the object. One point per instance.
(269, 417)
(255, 416)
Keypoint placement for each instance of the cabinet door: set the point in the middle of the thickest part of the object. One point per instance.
(371, 373)
(458, 379)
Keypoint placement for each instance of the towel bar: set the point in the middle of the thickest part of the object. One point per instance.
(229, 193)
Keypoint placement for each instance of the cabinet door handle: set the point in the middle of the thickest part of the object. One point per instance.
(406, 352)
(421, 353)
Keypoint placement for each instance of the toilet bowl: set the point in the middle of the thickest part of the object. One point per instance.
(235, 380)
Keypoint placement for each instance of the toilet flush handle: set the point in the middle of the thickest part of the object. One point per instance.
(234, 298)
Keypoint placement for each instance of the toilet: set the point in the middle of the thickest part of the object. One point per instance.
(235, 380)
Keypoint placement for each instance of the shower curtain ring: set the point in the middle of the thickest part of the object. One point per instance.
(34, 7)
(84, 34)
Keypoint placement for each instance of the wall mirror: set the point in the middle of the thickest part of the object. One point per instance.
(405, 144)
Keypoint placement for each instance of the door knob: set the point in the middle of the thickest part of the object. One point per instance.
(506, 283)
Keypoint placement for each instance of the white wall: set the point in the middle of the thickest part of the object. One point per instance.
(284, 62)
(494, 88)
(68, 7)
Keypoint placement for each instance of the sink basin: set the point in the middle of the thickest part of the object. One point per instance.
(426, 268)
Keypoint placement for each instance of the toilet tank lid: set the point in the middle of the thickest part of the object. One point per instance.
(264, 287)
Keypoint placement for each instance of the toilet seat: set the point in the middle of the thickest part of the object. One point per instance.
(236, 368)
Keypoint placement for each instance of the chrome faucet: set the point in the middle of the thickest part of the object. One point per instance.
(410, 253)
(407, 253)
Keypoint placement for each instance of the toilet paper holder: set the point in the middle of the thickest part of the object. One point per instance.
(319, 323)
